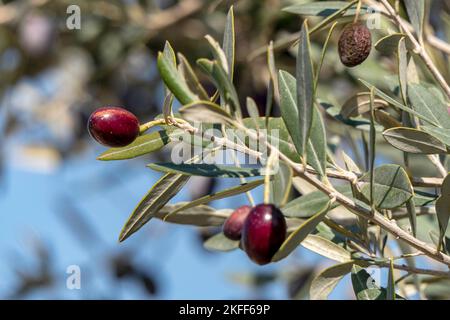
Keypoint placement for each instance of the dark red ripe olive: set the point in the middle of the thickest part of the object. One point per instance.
(354, 44)
(113, 126)
(232, 227)
(263, 233)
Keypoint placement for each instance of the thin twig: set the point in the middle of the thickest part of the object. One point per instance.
(418, 48)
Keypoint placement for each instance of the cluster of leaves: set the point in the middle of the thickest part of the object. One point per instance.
(412, 117)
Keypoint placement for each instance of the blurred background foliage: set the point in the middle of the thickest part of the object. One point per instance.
(52, 78)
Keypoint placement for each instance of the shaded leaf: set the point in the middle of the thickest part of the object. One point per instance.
(161, 193)
(229, 192)
(200, 215)
(206, 170)
(219, 242)
(305, 90)
(174, 81)
(295, 238)
(324, 283)
(326, 248)
(205, 111)
(142, 145)
(414, 141)
(323, 8)
(311, 203)
(392, 187)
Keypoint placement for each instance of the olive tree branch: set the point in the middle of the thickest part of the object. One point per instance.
(418, 48)
(357, 208)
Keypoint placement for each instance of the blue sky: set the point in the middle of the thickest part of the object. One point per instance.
(105, 194)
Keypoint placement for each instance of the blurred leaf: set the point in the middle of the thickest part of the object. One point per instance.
(219, 242)
(390, 294)
(323, 8)
(392, 187)
(414, 141)
(305, 91)
(229, 192)
(204, 111)
(443, 209)
(311, 203)
(281, 184)
(427, 103)
(389, 44)
(416, 14)
(365, 287)
(360, 104)
(200, 215)
(223, 84)
(294, 240)
(411, 208)
(439, 133)
(142, 145)
(206, 170)
(174, 81)
(161, 193)
(191, 78)
(418, 112)
(326, 248)
(402, 56)
(324, 283)
(229, 42)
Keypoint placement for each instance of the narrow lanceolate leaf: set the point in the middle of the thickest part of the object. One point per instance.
(418, 112)
(142, 145)
(326, 248)
(244, 187)
(402, 56)
(416, 14)
(412, 215)
(174, 81)
(207, 170)
(253, 111)
(169, 56)
(219, 242)
(205, 112)
(191, 78)
(323, 8)
(294, 240)
(200, 215)
(281, 185)
(414, 141)
(316, 147)
(311, 203)
(389, 44)
(426, 101)
(443, 209)
(391, 186)
(372, 146)
(324, 283)
(229, 42)
(439, 133)
(305, 89)
(390, 294)
(365, 287)
(161, 193)
(223, 83)
(359, 104)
